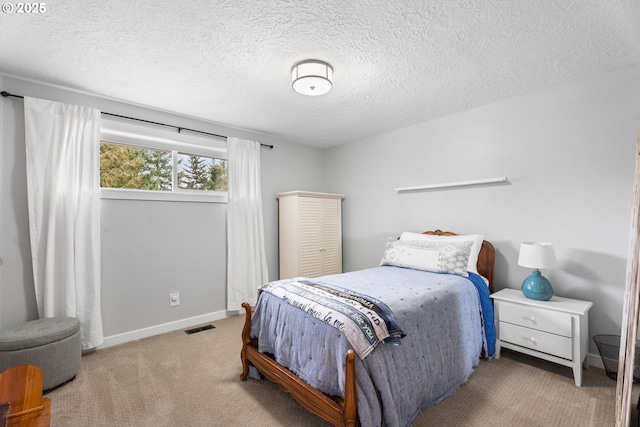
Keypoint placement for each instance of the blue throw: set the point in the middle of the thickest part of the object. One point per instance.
(487, 313)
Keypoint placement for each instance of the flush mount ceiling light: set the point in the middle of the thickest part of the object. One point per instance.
(311, 77)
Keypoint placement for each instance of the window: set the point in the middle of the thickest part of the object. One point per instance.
(146, 163)
(135, 168)
(201, 173)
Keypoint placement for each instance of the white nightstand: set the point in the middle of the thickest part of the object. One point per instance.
(556, 330)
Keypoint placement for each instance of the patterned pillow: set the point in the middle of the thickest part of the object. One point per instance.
(475, 248)
(435, 256)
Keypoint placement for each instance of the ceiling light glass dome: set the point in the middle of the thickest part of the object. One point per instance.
(312, 77)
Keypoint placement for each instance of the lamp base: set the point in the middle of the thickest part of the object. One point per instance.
(537, 287)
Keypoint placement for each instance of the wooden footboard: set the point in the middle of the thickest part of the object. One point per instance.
(336, 410)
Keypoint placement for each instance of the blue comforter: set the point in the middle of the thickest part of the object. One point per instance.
(442, 317)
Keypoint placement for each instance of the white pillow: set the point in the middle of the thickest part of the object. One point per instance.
(475, 248)
(435, 256)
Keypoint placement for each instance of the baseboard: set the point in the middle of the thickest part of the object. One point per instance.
(165, 327)
(595, 360)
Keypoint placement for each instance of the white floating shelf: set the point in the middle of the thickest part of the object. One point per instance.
(454, 184)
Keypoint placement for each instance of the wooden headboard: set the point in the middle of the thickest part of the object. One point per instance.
(486, 258)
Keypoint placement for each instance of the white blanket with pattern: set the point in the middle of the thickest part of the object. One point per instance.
(365, 321)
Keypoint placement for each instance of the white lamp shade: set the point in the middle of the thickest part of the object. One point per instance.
(537, 255)
(312, 77)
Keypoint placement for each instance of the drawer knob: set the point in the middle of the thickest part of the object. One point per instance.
(533, 340)
(531, 319)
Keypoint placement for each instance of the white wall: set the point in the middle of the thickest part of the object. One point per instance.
(569, 155)
(149, 248)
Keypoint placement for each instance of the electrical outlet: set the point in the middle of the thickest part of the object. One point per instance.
(174, 299)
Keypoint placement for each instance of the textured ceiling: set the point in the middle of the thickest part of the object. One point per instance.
(395, 63)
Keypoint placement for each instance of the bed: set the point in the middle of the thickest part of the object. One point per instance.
(445, 318)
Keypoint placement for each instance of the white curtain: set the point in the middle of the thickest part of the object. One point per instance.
(246, 258)
(63, 177)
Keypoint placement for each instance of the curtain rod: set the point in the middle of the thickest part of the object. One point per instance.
(180, 129)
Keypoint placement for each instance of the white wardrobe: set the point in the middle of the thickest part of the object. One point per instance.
(310, 234)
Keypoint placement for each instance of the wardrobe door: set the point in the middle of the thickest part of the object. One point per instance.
(311, 236)
(331, 246)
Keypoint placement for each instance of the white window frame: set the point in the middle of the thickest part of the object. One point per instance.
(146, 136)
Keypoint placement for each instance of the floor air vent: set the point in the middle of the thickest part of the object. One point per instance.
(199, 329)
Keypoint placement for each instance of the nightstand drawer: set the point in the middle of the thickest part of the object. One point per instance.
(555, 322)
(536, 340)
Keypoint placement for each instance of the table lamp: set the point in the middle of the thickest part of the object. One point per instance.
(537, 255)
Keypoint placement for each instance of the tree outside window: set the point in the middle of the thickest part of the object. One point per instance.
(201, 173)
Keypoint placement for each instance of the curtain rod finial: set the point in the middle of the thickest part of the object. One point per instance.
(7, 94)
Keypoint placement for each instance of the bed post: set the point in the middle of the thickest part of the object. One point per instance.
(246, 340)
(350, 411)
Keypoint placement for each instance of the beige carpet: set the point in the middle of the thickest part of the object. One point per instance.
(176, 379)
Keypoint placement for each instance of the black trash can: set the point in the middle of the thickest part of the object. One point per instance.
(609, 349)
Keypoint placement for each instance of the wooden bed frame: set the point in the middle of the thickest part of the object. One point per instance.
(336, 410)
